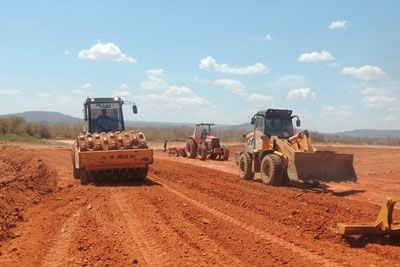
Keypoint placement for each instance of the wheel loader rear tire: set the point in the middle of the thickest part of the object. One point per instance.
(245, 163)
(225, 153)
(191, 149)
(271, 170)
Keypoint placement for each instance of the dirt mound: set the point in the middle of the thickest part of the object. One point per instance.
(24, 181)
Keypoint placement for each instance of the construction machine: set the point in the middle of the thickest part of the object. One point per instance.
(281, 155)
(385, 223)
(104, 148)
(205, 145)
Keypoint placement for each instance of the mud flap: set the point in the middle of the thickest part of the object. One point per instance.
(326, 166)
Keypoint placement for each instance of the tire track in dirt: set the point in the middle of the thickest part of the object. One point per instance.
(149, 247)
(221, 193)
(57, 254)
(166, 220)
(254, 230)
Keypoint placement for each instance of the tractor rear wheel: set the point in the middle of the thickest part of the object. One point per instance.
(271, 170)
(225, 153)
(84, 177)
(203, 153)
(191, 149)
(245, 163)
(212, 156)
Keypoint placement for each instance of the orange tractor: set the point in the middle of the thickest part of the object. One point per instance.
(203, 144)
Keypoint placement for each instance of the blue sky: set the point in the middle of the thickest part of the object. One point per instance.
(335, 63)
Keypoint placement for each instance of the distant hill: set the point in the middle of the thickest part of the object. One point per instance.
(371, 133)
(48, 116)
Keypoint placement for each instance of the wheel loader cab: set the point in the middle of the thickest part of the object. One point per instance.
(104, 115)
(275, 122)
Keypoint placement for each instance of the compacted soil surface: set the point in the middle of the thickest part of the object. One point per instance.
(188, 213)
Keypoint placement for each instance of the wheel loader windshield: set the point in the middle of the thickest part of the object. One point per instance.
(281, 127)
(105, 117)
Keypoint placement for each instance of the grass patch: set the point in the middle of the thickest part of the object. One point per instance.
(14, 138)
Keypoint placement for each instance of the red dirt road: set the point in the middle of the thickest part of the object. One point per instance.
(188, 213)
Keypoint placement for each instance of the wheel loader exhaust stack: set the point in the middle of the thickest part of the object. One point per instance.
(280, 154)
(105, 148)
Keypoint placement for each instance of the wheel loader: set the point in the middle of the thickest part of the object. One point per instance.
(201, 143)
(281, 155)
(105, 149)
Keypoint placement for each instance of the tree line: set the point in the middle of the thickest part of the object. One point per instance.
(43, 130)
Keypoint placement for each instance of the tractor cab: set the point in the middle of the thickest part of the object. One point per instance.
(104, 114)
(202, 134)
(275, 122)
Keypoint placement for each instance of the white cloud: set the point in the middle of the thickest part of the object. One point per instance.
(84, 90)
(375, 91)
(366, 72)
(334, 65)
(210, 64)
(44, 95)
(268, 37)
(301, 93)
(384, 101)
(254, 98)
(232, 85)
(171, 96)
(67, 53)
(105, 51)
(315, 56)
(289, 81)
(66, 99)
(9, 92)
(174, 97)
(342, 111)
(87, 86)
(123, 91)
(339, 24)
(200, 80)
(154, 80)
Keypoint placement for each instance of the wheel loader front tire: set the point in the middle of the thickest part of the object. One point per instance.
(191, 149)
(271, 170)
(245, 167)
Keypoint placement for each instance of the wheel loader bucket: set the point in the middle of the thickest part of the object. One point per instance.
(325, 166)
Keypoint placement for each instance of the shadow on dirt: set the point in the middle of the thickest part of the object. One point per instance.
(363, 241)
(324, 188)
(125, 183)
(346, 193)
